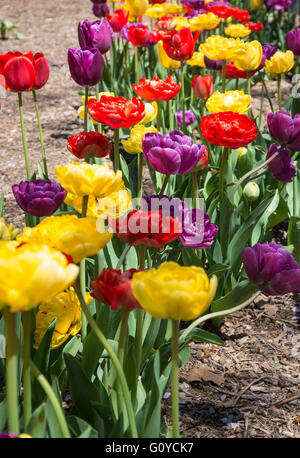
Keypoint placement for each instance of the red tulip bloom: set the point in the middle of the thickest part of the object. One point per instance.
(147, 228)
(89, 144)
(157, 1)
(157, 89)
(222, 11)
(232, 72)
(228, 129)
(254, 26)
(202, 86)
(166, 22)
(240, 14)
(24, 71)
(118, 19)
(139, 35)
(181, 45)
(117, 112)
(114, 289)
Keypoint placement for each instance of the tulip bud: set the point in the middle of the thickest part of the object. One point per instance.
(251, 191)
(7, 232)
(202, 86)
(242, 151)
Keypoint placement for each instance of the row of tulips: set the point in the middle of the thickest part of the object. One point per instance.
(94, 288)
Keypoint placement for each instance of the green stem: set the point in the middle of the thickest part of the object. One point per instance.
(223, 75)
(136, 63)
(86, 100)
(195, 188)
(12, 383)
(123, 335)
(102, 339)
(40, 132)
(222, 174)
(295, 194)
(26, 320)
(164, 185)
(171, 116)
(279, 91)
(25, 149)
(175, 379)
(158, 117)
(85, 201)
(266, 92)
(183, 98)
(140, 175)
(248, 83)
(236, 84)
(116, 150)
(123, 256)
(140, 316)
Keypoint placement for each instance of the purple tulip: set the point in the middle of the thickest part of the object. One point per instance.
(100, 10)
(212, 64)
(267, 53)
(194, 4)
(190, 117)
(281, 167)
(86, 65)
(95, 34)
(292, 41)
(285, 129)
(197, 229)
(124, 30)
(173, 153)
(278, 4)
(39, 197)
(7, 435)
(273, 269)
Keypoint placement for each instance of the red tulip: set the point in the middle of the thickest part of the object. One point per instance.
(232, 72)
(114, 289)
(180, 45)
(139, 35)
(118, 19)
(166, 22)
(222, 11)
(202, 86)
(157, 89)
(24, 71)
(240, 14)
(89, 144)
(254, 26)
(117, 112)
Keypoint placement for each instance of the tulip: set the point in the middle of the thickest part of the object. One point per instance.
(237, 31)
(136, 7)
(292, 41)
(86, 65)
(31, 273)
(194, 4)
(157, 89)
(251, 57)
(202, 86)
(100, 10)
(65, 308)
(240, 14)
(216, 47)
(272, 269)
(7, 231)
(173, 153)
(235, 101)
(280, 62)
(39, 197)
(95, 34)
(281, 167)
(139, 35)
(114, 289)
(212, 64)
(156, 11)
(277, 5)
(118, 19)
(197, 60)
(256, 4)
(190, 118)
(251, 191)
(150, 113)
(284, 129)
(173, 291)
(165, 60)
(77, 237)
(89, 144)
(133, 144)
(254, 26)
(201, 22)
(180, 46)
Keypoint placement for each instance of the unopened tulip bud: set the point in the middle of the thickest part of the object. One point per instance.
(251, 191)
(202, 86)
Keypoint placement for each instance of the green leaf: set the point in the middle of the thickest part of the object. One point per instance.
(3, 414)
(53, 425)
(200, 335)
(1, 205)
(217, 269)
(37, 424)
(80, 428)
(294, 236)
(152, 415)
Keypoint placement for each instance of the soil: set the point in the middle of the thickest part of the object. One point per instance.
(249, 387)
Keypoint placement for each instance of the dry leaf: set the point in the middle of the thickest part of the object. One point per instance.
(203, 372)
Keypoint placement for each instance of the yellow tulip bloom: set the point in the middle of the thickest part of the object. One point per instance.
(180, 22)
(237, 31)
(136, 8)
(156, 11)
(133, 144)
(280, 62)
(207, 21)
(77, 237)
(251, 58)
(197, 60)
(165, 60)
(7, 231)
(65, 307)
(31, 273)
(81, 109)
(236, 101)
(151, 113)
(256, 4)
(173, 291)
(216, 47)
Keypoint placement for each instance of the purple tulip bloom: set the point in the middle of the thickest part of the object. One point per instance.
(7, 435)
(197, 229)
(292, 41)
(267, 53)
(95, 34)
(86, 65)
(173, 153)
(212, 64)
(194, 4)
(278, 4)
(285, 129)
(273, 269)
(100, 10)
(190, 117)
(281, 167)
(39, 197)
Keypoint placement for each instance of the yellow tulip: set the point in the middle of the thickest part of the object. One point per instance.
(81, 109)
(133, 144)
(256, 4)
(251, 58)
(65, 307)
(235, 101)
(173, 291)
(31, 273)
(237, 31)
(280, 62)
(151, 113)
(180, 22)
(207, 21)
(84, 179)
(77, 237)
(156, 11)
(165, 60)
(136, 8)
(197, 60)
(174, 8)
(7, 232)
(216, 47)
(241, 151)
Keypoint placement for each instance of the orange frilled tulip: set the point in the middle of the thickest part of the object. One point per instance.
(157, 89)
